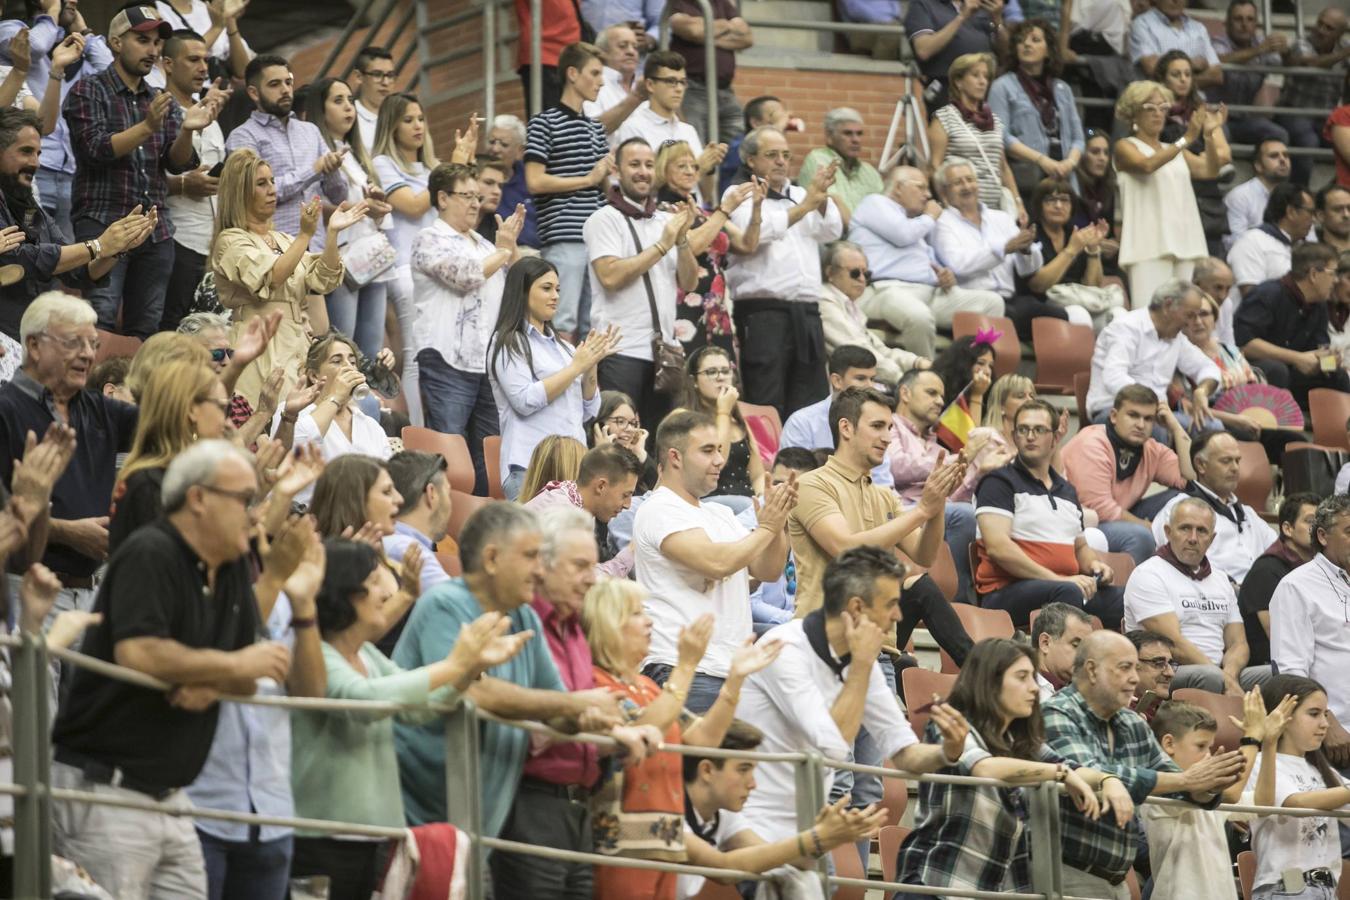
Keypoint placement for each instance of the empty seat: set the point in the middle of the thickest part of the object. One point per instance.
(979, 624)
(459, 465)
(1254, 477)
(920, 685)
(110, 345)
(462, 506)
(1063, 350)
(1330, 409)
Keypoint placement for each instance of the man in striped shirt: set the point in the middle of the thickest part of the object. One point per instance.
(567, 162)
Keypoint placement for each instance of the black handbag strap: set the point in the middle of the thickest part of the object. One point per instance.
(646, 282)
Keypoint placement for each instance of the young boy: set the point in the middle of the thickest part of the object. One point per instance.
(1187, 846)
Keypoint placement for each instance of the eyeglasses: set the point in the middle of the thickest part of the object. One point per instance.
(1153, 107)
(467, 196)
(672, 81)
(222, 405)
(1059, 199)
(722, 372)
(72, 344)
(1033, 430)
(621, 422)
(855, 273)
(1159, 662)
(220, 354)
(379, 76)
(245, 497)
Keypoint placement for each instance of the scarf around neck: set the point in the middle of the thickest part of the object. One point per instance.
(1198, 574)
(1041, 92)
(619, 201)
(814, 628)
(982, 117)
(1127, 457)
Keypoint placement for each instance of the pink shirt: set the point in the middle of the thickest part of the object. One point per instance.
(565, 493)
(913, 457)
(566, 763)
(1090, 466)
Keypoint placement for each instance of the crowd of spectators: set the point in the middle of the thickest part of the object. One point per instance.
(608, 309)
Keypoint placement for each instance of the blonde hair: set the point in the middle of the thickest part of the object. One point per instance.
(1136, 94)
(963, 64)
(670, 153)
(998, 395)
(386, 126)
(607, 606)
(163, 429)
(234, 193)
(158, 351)
(555, 458)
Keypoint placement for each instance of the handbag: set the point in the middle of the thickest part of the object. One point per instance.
(667, 357)
(1096, 300)
(366, 258)
(1008, 200)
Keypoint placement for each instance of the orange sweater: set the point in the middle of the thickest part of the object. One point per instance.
(1090, 466)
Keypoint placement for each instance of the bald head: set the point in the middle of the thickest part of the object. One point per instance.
(908, 187)
(1097, 647)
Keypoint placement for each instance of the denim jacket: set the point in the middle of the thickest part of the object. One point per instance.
(1022, 121)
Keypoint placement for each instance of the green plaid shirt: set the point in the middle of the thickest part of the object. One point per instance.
(1125, 747)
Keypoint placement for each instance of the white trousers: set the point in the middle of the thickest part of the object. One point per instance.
(916, 311)
(401, 295)
(1147, 276)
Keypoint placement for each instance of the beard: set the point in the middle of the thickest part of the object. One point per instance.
(18, 196)
(280, 110)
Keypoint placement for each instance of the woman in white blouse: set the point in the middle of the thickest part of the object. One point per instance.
(218, 24)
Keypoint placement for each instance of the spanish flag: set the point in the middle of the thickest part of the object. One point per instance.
(955, 423)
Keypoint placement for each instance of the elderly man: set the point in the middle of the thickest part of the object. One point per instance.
(1295, 546)
(1263, 253)
(1213, 276)
(424, 517)
(1324, 47)
(622, 90)
(1157, 666)
(499, 552)
(777, 287)
(1145, 346)
(59, 339)
(1246, 203)
(1167, 27)
(1281, 325)
(1090, 723)
(604, 488)
(1056, 633)
(856, 178)
(1179, 595)
(177, 605)
(1032, 550)
(842, 317)
(1308, 633)
(909, 289)
(1242, 43)
(1241, 535)
(985, 249)
(506, 141)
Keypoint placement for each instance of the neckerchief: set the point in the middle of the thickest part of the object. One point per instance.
(1291, 287)
(628, 207)
(813, 626)
(1234, 514)
(1041, 92)
(1280, 550)
(1198, 574)
(1127, 457)
(707, 830)
(982, 117)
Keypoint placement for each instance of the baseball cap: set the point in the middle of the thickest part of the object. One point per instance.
(139, 18)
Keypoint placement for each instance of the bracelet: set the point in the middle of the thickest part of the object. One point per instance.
(678, 693)
(304, 623)
(56, 76)
(234, 33)
(815, 840)
(723, 212)
(95, 249)
(801, 844)
(1248, 742)
(290, 419)
(335, 402)
(1094, 254)
(660, 249)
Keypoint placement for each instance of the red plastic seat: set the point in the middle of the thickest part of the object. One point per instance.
(1330, 409)
(920, 686)
(459, 465)
(1063, 350)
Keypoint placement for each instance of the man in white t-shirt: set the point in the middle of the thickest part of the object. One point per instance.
(638, 255)
(815, 697)
(372, 77)
(1179, 595)
(695, 558)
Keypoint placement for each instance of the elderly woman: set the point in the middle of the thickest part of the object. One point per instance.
(1044, 135)
(703, 315)
(1161, 232)
(969, 128)
(259, 271)
(1072, 271)
(639, 812)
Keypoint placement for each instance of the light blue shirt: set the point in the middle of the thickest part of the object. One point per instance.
(396, 544)
(600, 14)
(433, 627)
(45, 34)
(249, 767)
(809, 427)
(1022, 120)
(523, 409)
(870, 11)
(1152, 34)
(898, 247)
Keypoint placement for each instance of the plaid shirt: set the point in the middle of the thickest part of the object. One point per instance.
(1123, 746)
(1313, 91)
(240, 410)
(108, 187)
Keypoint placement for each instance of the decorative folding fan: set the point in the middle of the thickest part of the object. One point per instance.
(1270, 406)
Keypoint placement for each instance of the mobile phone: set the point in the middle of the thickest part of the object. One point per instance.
(1148, 704)
(217, 169)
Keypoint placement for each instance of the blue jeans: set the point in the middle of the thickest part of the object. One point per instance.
(1131, 537)
(247, 870)
(456, 402)
(360, 314)
(574, 286)
(959, 533)
(703, 690)
(136, 286)
(865, 789)
(54, 193)
(515, 480)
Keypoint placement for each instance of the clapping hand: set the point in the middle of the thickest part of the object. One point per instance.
(410, 571)
(693, 640)
(128, 232)
(940, 484)
(1217, 118)
(508, 229)
(711, 157)
(20, 51)
(40, 468)
(347, 215)
(66, 52)
(200, 114)
(309, 218)
(466, 142)
(302, 468)
(675, 228)
(751, 657)
(13, 530)
(597, 346)
(736, 196)
(779, 501)
(282, 553)
(821, 182)
(369, 534)
(255, 337)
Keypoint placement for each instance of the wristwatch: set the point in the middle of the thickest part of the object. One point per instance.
(1249, 742)
(1181, 143)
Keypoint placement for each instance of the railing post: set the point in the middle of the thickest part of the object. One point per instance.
(709, 66)
(1047, 872)
(1298, 19)
(32, 755)
(810, 783)
(464, 790)
(537, 60)
(489, 64)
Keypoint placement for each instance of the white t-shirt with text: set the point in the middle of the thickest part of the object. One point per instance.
(1203, 608)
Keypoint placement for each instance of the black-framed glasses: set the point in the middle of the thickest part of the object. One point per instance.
(1159, 662)
(220, 354)
(380, 76)
(1034, 430)
(621, 422)
(248, 498)
(719, 372)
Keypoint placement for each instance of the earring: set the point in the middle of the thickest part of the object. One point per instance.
(1134, 126)
(194, 435)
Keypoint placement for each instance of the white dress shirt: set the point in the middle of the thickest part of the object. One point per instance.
(1246, 206)
(606, 234)
(1310, 629)
(612, 93)
(975, 253)
(786, 265)
(365, 126)
(1235, 546)
(368, 438)
(1129, 351)
(456, 306)
(1203, 608)
(655, 130)
(1256, 257)
(897, 246)
(524, 413)
(194, 218)
(790, 701)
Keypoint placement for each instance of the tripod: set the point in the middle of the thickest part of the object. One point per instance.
(906, 111)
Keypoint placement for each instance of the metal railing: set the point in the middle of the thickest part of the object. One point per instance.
(408, 11)
(33, 792)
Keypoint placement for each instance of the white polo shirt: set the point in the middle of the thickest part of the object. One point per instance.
(1240, 536)
(606, 233)
(1203, 607)
(365, 126)
(656, 130)
(1310, 629)
(789, 701)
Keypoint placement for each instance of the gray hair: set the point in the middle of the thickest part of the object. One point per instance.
(512, 124)
(1328, 511)
(1190, 501)
(556, 522)
(942, 174)
(750, 143)
(195, 466)
(1053, 619)
(492, 524)
(840, 115)
(830, 252)
(54, 306)
(602, 39)
(1207, 268)
(199, 322)
(1171, 293)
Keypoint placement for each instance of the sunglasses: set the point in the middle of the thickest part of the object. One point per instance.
(856, 273)
(220, 354)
